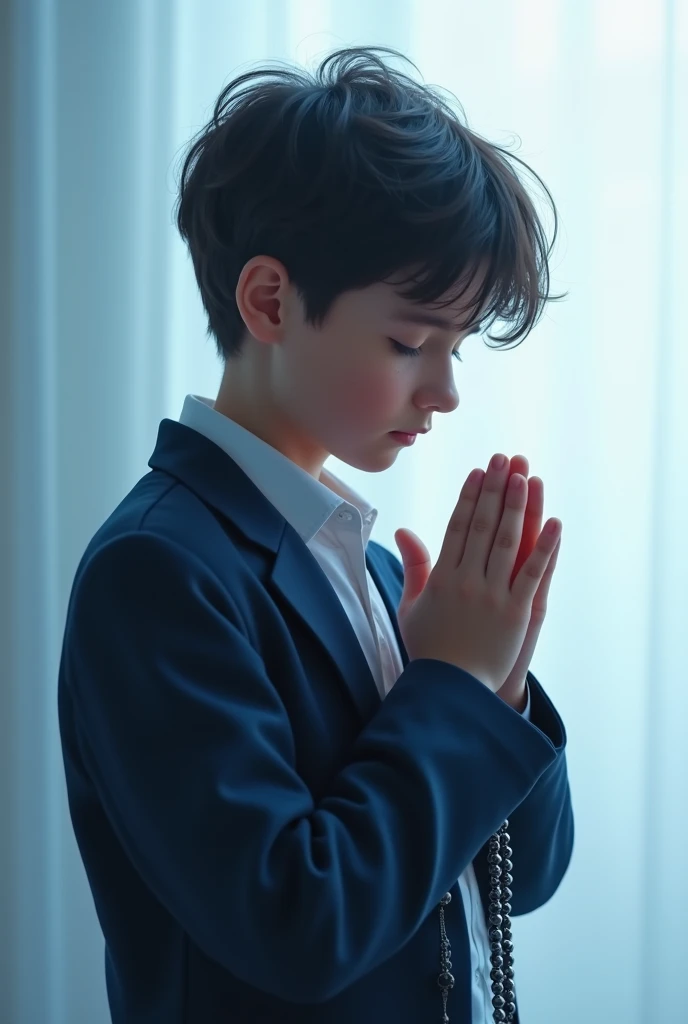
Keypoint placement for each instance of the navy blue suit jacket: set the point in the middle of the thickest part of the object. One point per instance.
(265, 839)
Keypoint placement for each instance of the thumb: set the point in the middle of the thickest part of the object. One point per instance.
(416, 560)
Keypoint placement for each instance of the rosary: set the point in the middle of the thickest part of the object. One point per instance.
(501, 946)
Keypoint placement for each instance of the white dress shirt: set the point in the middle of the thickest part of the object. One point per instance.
(335, 523)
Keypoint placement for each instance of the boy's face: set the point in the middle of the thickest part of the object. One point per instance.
(342, 389)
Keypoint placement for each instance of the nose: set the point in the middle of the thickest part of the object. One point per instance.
(438, 397)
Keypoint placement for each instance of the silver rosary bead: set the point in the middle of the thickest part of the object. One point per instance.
(499, 932)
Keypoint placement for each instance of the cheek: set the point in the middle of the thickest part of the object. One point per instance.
(370, 393)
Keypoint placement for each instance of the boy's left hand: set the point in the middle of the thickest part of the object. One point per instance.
(513, 690)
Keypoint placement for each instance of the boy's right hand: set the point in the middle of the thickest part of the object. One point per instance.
(464, 611)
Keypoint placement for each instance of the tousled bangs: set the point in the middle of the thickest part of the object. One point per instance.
(358, 174)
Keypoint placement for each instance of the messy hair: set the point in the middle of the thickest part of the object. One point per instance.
(350, 176)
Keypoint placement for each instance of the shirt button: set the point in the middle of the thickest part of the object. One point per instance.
(478, 975)
(345, 515)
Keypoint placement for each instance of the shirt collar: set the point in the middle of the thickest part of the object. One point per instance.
(308, 505)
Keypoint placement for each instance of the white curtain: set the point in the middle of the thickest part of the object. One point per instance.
(103, 335)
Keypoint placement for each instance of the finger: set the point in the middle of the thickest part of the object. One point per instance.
(508, 535)
(530, 533)
(539, 606)
(552, 564)
(456, 533)
(519, 464)
(532, 524)
(536, 504)
(416, 562)
(532, 520)
(486, 521)
(530, 577)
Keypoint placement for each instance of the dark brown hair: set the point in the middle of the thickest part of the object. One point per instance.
(349, 176)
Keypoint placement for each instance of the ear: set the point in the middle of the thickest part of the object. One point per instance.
(262, 294)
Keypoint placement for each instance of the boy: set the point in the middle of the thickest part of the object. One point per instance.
(286, 777)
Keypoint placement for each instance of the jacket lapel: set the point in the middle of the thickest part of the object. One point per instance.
(215, 477)
(301, 581)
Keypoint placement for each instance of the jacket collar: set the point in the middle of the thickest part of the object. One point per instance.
(204, 468)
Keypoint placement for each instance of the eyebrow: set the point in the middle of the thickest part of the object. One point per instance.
(430, 320)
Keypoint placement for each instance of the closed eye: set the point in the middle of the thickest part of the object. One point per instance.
(404, 350)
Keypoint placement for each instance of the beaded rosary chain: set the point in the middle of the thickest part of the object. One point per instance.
(501, 946)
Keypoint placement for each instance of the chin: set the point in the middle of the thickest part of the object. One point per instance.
(370, 461)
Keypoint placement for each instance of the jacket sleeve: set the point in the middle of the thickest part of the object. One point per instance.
(541, 827)
(190, 750)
